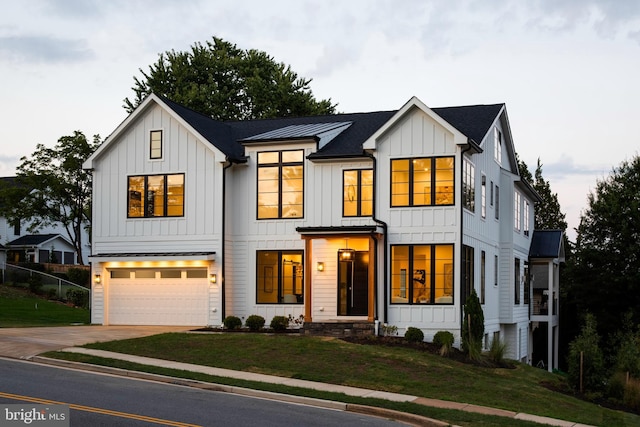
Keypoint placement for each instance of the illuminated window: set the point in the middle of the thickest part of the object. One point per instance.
(422, 274)
(279, 277)
(422, 181)
(358, 192)
(155, 144)
(155, 196)
(280, 184)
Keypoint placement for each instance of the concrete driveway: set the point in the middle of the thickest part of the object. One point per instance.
(24, 343)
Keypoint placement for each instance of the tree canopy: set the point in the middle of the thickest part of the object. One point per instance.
(549, 215)
(52, 188)
(607, 253)
(227, 83)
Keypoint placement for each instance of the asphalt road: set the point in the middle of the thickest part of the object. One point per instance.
(104, 400)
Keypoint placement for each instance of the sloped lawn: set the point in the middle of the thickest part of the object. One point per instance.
(20, 308)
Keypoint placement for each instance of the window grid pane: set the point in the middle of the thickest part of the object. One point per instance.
(280, 184)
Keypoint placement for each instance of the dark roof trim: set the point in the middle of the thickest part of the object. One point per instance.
(150, 255)
(355, 229)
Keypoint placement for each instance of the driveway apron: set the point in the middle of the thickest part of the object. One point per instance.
(25, 343)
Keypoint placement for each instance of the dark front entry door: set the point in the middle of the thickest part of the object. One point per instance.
(353, 284)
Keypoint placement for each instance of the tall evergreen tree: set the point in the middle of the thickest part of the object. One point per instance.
(227, 83)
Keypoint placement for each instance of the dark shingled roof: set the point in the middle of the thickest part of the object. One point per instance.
(472, 120)
(32, 239)
(228, 136)
(547, 244)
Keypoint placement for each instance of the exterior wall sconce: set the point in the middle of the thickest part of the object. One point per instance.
(320, 266)
(96, 279)
(213, 278)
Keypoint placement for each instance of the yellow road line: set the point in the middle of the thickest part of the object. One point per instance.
(97, 410)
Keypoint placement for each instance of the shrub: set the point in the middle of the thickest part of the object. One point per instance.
(232, 322)
(78, 298)
(472, 326)
(279, 323)
(254, 322)
(389, 330)
(444, 339)
(632, 394)
(79, 276)
(593, 369)
(35, 283)
(497, 351)
(414, 334)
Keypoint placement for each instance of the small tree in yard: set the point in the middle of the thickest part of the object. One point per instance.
(586, 362)
(472, 327)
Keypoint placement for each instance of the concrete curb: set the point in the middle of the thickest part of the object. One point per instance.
(327, 404)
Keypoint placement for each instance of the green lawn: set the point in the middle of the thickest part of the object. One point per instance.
(400, 370)
(19, 308)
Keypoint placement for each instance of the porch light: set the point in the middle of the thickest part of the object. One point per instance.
(96, 279)
(320, 266)
(346, 254)
(213, 278)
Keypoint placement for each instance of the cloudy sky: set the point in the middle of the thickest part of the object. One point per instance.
(568, 70)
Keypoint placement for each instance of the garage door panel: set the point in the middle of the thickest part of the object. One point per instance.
(159, 302)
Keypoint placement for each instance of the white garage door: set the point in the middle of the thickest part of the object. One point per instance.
(158, 297)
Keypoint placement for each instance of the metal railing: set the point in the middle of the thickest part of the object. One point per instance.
(46, 284)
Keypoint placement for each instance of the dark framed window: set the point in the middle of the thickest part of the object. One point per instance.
(497, 145)
(483, 197)
(280, 184)
(497, 202)
(525, 221)
(279, 277)
(16, 227)
(152, 196)
(357, 199)
(468, 269)
(468, 185)
(517, 206)
(516, 281)
(527, 285)
(483, 275)
(422, 181)
(422, 274)
(155, 144)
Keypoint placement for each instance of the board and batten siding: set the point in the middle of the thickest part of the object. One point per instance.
(418, 134)
(200, 227)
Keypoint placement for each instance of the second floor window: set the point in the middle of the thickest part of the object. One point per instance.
(468, 186)
(280, 184)
(497, 146)
(516, 211)
(358, 192)
(155, 144)
(155, 196)
(525, 213)
(422, 181)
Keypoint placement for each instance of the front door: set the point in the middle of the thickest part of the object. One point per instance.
(353, 283)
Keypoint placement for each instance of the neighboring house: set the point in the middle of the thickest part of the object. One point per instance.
(41, 248)
(388, 217)
(12, 232)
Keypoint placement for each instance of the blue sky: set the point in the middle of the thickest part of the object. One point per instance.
(566, 69)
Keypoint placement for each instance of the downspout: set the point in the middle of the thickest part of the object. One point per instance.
(385, 250)
(223, 308)
(463, 297)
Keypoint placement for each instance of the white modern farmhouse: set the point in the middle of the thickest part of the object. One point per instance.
(388, 217)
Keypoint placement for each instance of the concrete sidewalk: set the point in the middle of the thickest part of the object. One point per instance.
(350, 391)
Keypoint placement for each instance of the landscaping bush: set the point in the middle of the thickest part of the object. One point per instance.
(78, 298)
(35, 283)
(472, 327)
(632, 394)
(414, 334)
(444, 339)
(279, 323)
(79, 276)
(254, 322)
(232, 322)
(497, 351)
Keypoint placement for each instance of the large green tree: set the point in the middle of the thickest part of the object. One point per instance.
(607, 253)
(227, 83)
(51, 188)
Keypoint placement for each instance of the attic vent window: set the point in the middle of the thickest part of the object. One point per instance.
(155, 144)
